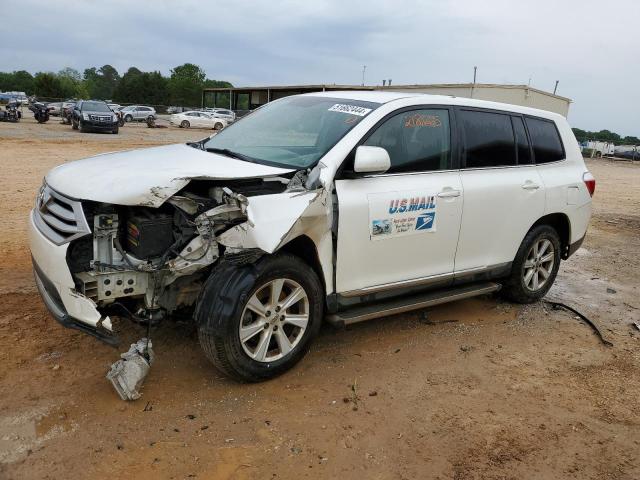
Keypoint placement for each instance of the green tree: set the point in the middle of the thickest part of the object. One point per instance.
(102, 82)
(185, 85)
(48, 85)
(71, 82)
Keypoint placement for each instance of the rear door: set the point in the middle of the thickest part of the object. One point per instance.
(400, 228)
(503, 192)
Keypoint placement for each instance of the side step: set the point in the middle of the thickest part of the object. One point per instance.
(414, 302)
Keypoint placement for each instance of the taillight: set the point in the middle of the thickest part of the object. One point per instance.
(590, 182)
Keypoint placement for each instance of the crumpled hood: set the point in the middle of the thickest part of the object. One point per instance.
(148, 176)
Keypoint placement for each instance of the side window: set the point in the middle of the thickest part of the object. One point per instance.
(488, 139)
(522, 143)
(547, 146)
(416, 140)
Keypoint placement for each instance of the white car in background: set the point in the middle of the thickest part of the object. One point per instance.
(198, 120)
(228, 115)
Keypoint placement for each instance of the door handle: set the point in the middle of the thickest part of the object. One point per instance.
(529, 185)
(449, 193)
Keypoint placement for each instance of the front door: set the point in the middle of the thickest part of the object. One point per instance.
(401, 227)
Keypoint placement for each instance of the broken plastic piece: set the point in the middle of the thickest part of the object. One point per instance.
(127, 374)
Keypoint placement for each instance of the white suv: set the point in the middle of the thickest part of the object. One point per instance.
(343, 206)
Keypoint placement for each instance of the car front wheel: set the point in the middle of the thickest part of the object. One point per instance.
(185, 124)
(535, 267)
(257, 321)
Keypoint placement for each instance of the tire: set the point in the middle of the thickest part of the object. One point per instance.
(121, 122)
(527, 283)
(115, 131)
(128, 118)
(223, 310)
(74, 124)
(184, 124)
(217, 126)
(81, 127)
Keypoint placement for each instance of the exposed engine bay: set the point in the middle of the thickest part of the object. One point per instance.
(144, 262)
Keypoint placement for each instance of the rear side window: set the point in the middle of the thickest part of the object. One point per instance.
(522, 143)
(545, 139)
(489, 140)
(416, 140)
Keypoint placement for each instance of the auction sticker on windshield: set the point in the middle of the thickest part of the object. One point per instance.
(396, 214)
(350, 109)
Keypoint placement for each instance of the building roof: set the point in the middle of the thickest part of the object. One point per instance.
(396, 88)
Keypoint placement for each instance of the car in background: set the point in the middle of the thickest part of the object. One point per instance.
(138, 113)
(114, 106)
(198, 120)
(94, 115)
(228, 115)
(55, 108)
(174, 109)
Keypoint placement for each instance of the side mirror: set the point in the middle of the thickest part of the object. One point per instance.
(371, 160)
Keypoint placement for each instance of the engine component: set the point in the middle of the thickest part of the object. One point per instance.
(105, 229)
(127, 374)
(149, 236)
(107, 286)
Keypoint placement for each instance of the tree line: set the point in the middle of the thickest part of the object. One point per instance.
(605, 136)
(183, 87)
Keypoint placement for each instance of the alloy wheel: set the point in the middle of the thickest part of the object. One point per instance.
(274, 320)
(538, 264)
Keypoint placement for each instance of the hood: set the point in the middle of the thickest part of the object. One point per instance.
(148, 176)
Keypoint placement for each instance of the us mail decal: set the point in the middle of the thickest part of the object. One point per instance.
(401, 213)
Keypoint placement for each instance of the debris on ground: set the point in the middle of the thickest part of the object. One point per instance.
(596, 330)
(127, 374)
(611, 290)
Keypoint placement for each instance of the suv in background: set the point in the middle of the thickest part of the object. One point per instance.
(94, 115)
(138, 113)
(337, 206)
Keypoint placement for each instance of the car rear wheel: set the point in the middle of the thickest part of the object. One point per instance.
(185, 124)
(535, 267)
(257, 320)
(115, 130)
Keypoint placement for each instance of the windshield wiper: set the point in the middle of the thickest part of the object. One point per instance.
(231, 153)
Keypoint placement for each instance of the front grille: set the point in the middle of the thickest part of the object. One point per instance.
(59, 218)
(101, 118)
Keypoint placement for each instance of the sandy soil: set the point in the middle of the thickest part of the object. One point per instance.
(480, 389)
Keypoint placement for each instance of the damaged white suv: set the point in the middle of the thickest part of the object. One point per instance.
(343, 206)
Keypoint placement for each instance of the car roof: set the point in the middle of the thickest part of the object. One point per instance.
(425, 98)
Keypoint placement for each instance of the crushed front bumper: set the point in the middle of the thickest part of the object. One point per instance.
(57, 289)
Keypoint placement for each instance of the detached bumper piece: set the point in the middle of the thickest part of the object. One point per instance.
(127, 374)
(54, 304)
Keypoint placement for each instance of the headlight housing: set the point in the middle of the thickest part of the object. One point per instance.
(85, 116)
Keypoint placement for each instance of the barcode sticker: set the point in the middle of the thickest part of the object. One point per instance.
(350, 109)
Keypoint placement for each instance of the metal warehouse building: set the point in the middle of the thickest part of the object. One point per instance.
(248, 98)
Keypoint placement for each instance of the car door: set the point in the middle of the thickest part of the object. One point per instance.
(503, 192)
(205, 120)
(400, 228)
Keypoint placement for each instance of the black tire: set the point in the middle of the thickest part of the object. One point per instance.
(221, 307)
(81, 127)
(128, 118)
(74, 125)
(217, 126)
(515, 288)
(115, 131)
(121, 122)
(184, 124)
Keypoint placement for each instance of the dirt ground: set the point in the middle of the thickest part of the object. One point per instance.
(479, 389)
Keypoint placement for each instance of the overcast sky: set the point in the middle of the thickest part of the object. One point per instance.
(591, 47)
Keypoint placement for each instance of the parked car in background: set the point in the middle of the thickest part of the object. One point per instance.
(227, 114)
(198, 120)
(94, 115)
(55, 108)
(344, 206)
(137, 113)
(174, 109)
(114, 106)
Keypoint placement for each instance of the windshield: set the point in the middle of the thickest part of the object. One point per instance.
(294, 132)
(95, 107)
